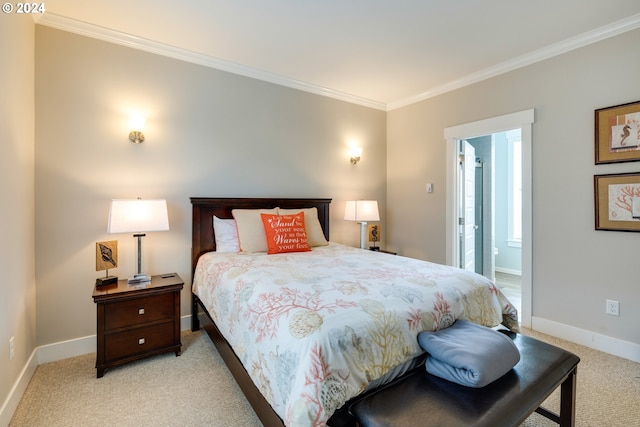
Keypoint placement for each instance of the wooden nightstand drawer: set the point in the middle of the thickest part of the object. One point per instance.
(139, 311)
(138, 341)
(133, 322)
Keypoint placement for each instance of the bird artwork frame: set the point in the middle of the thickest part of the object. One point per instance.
(106, 258)
(617, 133)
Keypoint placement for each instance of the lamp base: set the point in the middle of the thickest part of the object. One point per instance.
(139, 278)
(363, 235)
(107, 280)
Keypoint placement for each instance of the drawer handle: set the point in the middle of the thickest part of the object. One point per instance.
(140, 341)
(141, 311)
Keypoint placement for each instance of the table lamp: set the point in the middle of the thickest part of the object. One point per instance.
(138, 216)
(362, 211)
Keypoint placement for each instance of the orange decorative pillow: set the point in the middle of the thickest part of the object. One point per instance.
(285, 233)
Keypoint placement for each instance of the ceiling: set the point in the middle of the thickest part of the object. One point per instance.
(380, 53)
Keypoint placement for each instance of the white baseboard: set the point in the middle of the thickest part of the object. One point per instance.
(65, 349)
(508, 271)
(51, 353)
(604, 343)
(13, 399)
(185, 323)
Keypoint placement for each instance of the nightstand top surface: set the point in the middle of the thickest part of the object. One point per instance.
(122, 286)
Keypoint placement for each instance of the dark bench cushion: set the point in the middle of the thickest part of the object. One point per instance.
(421, 399)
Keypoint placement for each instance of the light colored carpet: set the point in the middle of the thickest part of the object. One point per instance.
(196, 389)
(608, 388)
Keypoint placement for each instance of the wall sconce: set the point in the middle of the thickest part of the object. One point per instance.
(355, 152)
(136, 123)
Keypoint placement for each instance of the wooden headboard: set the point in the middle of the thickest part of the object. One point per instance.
(204, 208)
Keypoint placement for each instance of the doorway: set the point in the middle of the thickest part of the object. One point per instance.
(493, 163)
(523, 121)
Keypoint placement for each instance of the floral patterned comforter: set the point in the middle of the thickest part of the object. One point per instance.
(313, 329)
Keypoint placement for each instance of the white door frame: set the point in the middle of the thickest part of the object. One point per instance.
(468, 208)
(523, 120)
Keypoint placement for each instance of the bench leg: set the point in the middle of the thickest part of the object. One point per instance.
(567, 416)
(568, 400)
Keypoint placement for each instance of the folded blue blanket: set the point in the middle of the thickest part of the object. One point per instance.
(469, 354)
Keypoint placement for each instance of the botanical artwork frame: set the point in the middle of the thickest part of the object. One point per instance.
(617, 201)
(617, 133)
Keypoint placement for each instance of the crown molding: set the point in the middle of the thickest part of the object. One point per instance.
(630, 23)
(94, 31)
(89, 30)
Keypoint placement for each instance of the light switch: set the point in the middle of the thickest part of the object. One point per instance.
(429, 187)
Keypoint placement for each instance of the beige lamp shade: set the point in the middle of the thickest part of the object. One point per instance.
(361, 210)
(133, 216)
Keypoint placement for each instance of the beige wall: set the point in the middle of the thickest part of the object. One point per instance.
(17, 300)
(575, 268)
(208, 133)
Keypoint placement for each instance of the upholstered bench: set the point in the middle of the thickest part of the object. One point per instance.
(422, 399)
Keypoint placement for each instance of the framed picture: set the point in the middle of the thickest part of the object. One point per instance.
(374, 233)
(617, 133)
(617, 200)
(106, 255)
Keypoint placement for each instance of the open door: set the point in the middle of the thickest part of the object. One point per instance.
(523, 120)
(467, 218)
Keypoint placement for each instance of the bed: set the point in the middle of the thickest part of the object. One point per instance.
(307, 333)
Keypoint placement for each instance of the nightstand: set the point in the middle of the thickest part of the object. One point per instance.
(136, 321)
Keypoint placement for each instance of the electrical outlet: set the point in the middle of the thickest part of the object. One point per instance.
(613, 308)
(11, 353)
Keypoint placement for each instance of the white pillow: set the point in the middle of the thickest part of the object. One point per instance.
(315, 236)
(226, 235)
(251, 232)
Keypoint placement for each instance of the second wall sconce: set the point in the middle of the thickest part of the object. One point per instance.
(356, 152)
(136, 123)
